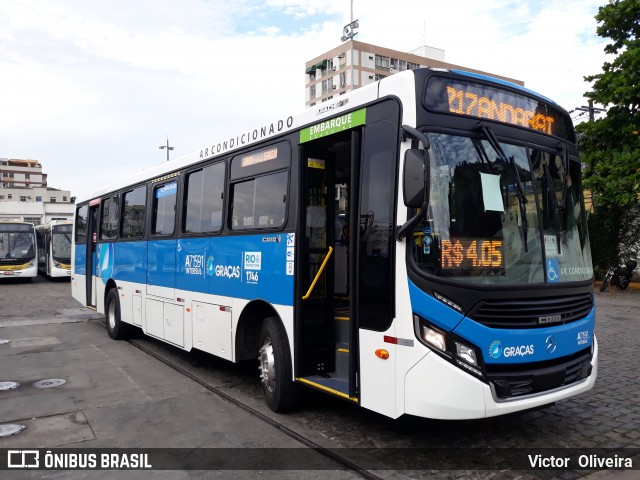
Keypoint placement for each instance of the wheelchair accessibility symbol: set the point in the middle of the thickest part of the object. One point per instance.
(553, 270)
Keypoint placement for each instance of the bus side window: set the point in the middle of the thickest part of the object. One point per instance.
(133, 212)
(82, 215)
(109, 216)
(260, 202)
(204, 200)
(164, 209)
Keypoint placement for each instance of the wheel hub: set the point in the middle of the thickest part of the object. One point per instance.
(267, 365)
(111, 316)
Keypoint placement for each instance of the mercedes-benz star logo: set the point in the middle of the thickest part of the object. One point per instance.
(551, 344)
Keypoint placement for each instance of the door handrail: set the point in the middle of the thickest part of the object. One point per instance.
(315, 280)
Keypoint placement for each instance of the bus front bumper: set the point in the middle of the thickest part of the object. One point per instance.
(434, 388)
(25, 272)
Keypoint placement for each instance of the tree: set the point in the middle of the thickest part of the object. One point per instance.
(611, 145)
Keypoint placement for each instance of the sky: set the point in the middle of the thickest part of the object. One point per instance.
(91, 89)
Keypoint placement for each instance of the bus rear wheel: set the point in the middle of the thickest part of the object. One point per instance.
(115, 327)
(274, 358)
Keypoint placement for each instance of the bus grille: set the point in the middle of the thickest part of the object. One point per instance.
(532, 312)
(516, 380)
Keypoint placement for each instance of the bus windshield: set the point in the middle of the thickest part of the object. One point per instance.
(61, 243)
(16, 242)
(503, 214)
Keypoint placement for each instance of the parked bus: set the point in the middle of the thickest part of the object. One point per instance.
(54, 248)
(416, 246)
(17, 250)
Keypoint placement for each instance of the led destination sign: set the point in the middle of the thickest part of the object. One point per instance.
(491, 103)
(471, 254)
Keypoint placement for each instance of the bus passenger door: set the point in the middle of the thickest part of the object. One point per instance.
(163, 317)
(325, 346)
(92, 255)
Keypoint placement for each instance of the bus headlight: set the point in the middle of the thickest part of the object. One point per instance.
(32, 263)
(434, 337)
(450, 347)
(466, 353)
(57, 264)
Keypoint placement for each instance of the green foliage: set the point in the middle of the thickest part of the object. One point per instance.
(603, 227)
(610, 146)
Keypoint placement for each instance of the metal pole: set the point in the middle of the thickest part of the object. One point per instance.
(162, 147)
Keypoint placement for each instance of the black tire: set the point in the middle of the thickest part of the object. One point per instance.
(115, 327)
(605, 284)
(623, 283)
(274, 357)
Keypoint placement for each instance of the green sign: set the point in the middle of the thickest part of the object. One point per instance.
(334, 125)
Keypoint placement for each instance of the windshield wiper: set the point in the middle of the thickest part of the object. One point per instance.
(514, 175)
(564, 153)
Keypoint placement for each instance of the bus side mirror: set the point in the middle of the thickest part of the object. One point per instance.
(415, 181)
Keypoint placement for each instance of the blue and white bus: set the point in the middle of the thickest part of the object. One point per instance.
(417, 246)
(18, 250)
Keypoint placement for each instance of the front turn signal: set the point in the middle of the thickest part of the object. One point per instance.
(382, 353)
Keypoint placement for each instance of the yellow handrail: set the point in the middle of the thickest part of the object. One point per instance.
(315, 280)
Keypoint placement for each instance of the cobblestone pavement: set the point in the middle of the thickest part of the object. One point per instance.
(606, 417)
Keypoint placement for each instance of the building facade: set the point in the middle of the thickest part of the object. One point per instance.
(25, 196)
(354, 64)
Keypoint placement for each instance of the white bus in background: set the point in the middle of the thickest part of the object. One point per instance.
(18, 250)
(54, 248)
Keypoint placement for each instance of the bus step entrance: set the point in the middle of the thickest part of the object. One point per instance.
(334, 385)
(337, 381)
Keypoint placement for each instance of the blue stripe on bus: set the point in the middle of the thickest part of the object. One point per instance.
(433, 310)
(247, 267)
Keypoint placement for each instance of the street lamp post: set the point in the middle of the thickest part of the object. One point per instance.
(162, 147)
(349, 31)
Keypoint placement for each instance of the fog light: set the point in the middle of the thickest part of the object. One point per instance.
(466, 353)
(434, 338)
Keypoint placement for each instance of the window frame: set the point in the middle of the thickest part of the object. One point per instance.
(185, 198)
(254, 178)
(154, 207)
(122, 213)
(235, 176)
(103, 202)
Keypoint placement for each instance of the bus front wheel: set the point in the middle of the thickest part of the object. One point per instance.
(115, 327)
(274, 359)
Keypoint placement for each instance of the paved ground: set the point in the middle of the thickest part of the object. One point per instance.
(117, 396)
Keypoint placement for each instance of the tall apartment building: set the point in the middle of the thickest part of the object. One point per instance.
(354, 64)
(25, 196)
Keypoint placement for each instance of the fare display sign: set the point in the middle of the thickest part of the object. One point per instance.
(471, 254)
(461, 97)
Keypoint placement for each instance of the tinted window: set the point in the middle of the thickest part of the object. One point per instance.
(376, 226)
(203, 209)
(109, 219)
(81, 223)
(259, 202)
(164, 208)
(133, 210)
